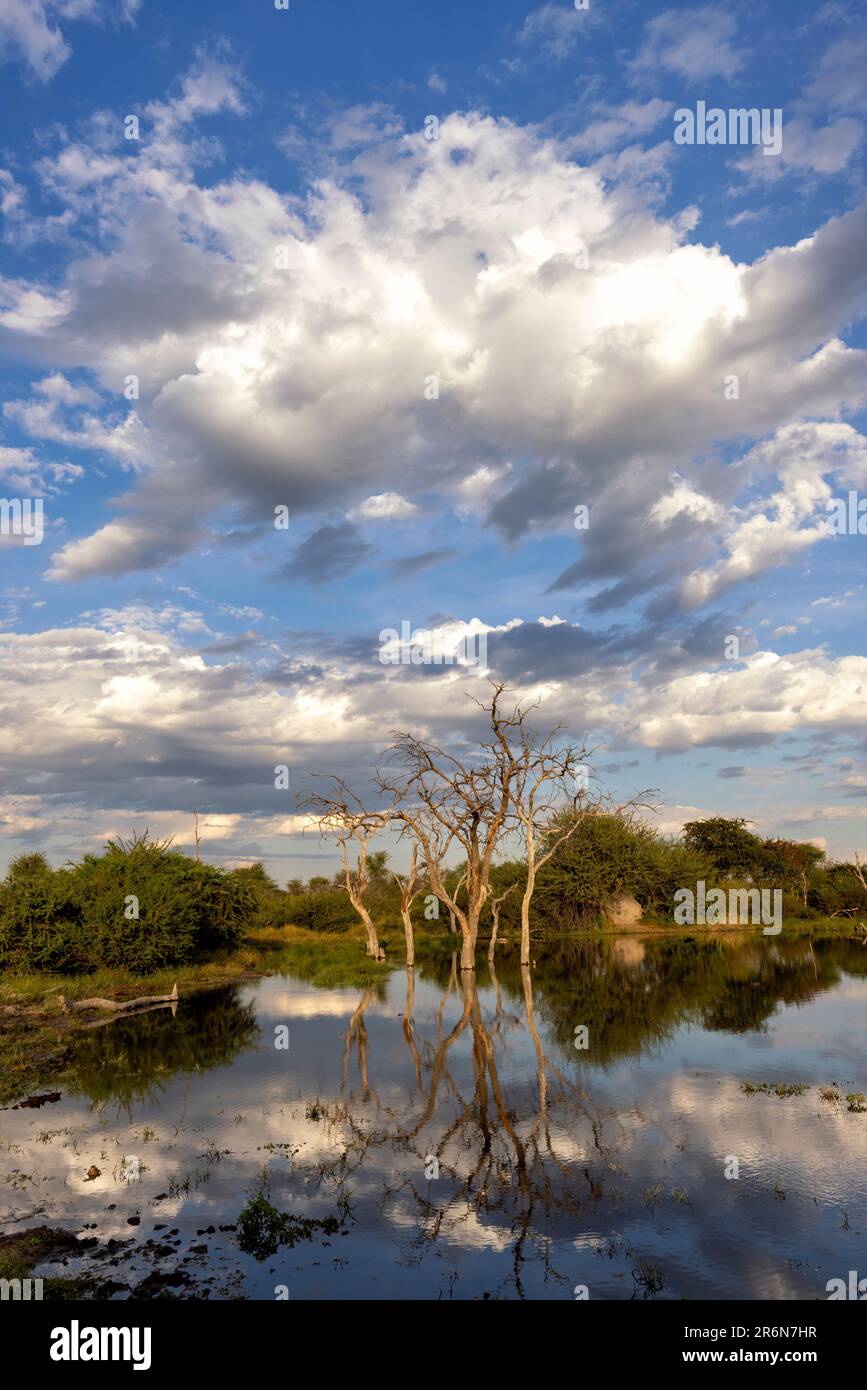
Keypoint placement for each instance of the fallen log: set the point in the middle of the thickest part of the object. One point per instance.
(73, 1006)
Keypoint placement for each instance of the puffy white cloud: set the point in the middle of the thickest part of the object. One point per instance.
(122, 712)
(27, 35)
(763, 697)
(839, 81)
(269, 331)
(773, 530)
(616, 125)
(807, 148)
(555, 29)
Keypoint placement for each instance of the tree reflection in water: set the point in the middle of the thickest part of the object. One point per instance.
(133, 1059)
(519, 1164)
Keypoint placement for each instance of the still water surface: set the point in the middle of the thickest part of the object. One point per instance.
(558, 1167)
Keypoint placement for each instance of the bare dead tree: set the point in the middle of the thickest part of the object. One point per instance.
(542, 775)
(545, 776)
(445, 802)
(343, 816)
(496, 904)
(410, 886)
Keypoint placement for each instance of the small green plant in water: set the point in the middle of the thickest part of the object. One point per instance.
(769, 1088)
(263, 1229)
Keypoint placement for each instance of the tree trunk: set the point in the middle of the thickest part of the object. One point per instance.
(407, 927)
(495, 982)
(468, 947)
(525, 918)
(373, 947)
(537, 1043)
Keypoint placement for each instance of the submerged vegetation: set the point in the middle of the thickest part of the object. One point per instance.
(262, 1229)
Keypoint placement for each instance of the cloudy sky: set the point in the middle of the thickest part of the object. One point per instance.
(422, 280)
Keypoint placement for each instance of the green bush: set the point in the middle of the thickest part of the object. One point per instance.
(138, 905)
(837, 889)
(271, 908)
(320, 911)
(610, 854)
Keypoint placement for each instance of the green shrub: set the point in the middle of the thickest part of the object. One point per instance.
(271, 908)
(611, 854)
(138, 905)
(320, 911)
(837, 889)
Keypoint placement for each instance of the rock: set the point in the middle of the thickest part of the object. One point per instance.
(624, 911)
(92, 1173)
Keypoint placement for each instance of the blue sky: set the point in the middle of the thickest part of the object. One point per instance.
(282, 259)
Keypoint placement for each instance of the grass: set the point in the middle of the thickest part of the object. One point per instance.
(328, 959)
(773, 1088)
(856, 1101)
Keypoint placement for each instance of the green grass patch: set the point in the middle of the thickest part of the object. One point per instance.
(773, 1088)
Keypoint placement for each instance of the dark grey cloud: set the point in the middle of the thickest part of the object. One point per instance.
(409, 565)
(329, 553)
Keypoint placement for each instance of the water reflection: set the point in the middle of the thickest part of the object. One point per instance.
(465, 1146)
(132, 1059)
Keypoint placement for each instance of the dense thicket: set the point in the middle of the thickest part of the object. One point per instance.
(610, 855)
(139, 904)
(810, 886)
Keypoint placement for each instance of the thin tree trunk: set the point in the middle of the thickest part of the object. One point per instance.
(497, 995)
(407, 927)
(525, 916)
(373, 947)
(527, 981)
(356, 1028)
